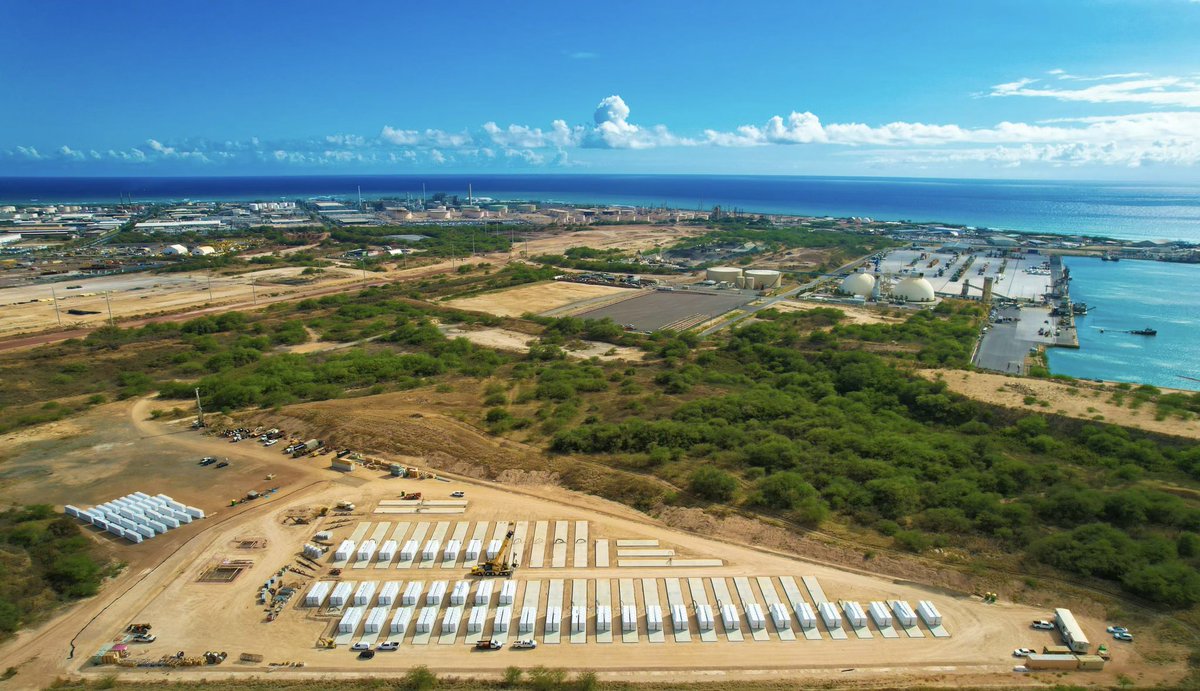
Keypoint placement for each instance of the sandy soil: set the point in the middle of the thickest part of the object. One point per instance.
(1083, 400)
(515, 341)
(534, 298)
(160, 583)
(854, 314)
(633, 237)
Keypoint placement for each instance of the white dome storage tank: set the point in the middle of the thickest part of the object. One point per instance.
(858, 284)
(723, 274)
(914, 289)
(760, 279)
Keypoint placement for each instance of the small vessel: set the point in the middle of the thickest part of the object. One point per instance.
(1145, 332)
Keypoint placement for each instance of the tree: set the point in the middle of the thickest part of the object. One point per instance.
(712, 483)
(784, 491)
(419, 678)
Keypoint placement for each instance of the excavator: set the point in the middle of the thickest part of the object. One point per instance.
(498, 565)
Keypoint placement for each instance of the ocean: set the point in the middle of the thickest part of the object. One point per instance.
(1121, 210)
(1129, 295)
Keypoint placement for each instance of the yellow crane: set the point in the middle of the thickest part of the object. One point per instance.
(497, 565)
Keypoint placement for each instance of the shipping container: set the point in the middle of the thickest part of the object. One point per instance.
(880, 613)
(904, 613)
(375, 619)
(493, 548)
(679, 618)
(116, 530)
(729, 617)
(450, 554)
(603, 618)
(431, 550)
(805, 614)
(409, 551)
(755, 618)
(133, 536)
(458, 596)
(528, 619)
(412, 593)
(473, 547)
(317, 594)
(367, 550)
(437, 592)
(929, 613)
(779, 616)
(450, 620)
(387, 551)
(401, 620)
(476, 619)
(654, 621)
(182, 516)
(146, 531)
(425, 620)
(578, 619)
(854, 613)
(341, 593)
(628, 618)
(483, 593)
(507, 592)
(503, 616)
(387, 594)
(830, 615)
(349, 622)
(704, 617)
(344, 550)
(366, 591)
(194, 512)
(553, 618)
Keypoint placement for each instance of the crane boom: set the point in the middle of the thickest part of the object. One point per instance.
(497, 565)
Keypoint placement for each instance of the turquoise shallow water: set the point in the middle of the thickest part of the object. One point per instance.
(1132, 295)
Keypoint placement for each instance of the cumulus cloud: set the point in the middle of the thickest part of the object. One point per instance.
(614, 131)
(426, 138)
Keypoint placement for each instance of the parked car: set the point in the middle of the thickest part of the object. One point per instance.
(223, 464)
(271, 442)
(525, 644)
(366, 655)
(1043, 624)
(360, 646)
(1117, 629)
(207, 461)
(1023, 652)
(458, 494)
(1123, 636)
(389, 645)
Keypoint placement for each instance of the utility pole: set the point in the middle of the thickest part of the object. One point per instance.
(362, 262)
(253, 293)
(199, 410)
(54, 297)
(108, 300)
(210, 297)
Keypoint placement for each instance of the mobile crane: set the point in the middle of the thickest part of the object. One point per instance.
(498, 565)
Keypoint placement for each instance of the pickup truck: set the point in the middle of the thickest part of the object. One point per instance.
(487, 645)
(525, 644)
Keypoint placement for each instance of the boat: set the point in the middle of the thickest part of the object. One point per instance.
(1145, 332)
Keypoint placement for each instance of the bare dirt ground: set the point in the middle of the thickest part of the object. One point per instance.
(854, 314)
(517, 342)
(60, 464)
(629, 238)
(534, 298)
(1083, 400)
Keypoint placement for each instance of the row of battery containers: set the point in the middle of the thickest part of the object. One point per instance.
(880, 612)
(340, 594)
(387, 551)
(136, 519)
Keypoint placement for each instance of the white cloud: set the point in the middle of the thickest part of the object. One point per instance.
(345, 139)
(428, 138)
(614, 131)
(1126, 87)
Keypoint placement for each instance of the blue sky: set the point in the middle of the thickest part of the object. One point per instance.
(1039, 89)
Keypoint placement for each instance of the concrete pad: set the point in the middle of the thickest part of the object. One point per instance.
(445, 502)
(637, 543)
(642, 563)
(371, 638)
(537, 549)
(792, 592)
(459, 533)
(360, 531)
(746, 595)
(696, 563)
(645, 552)
(650, 599)
(520, 542)
(814, 590)
(913, 631)
(445, 637)
(531, 598)
(604, 599)
(625, 588)
(602, 554)
(473, 638)
(439, 534)
(939, 631)
(554, 598)
(771, 597)
(721, 591)
(700, 597)
(675, 599)
(419, 536)
(558, 553)
(581, 545)
(423, 638)
(578, 599)
(397, 535)
(345, 638)
(480, 534)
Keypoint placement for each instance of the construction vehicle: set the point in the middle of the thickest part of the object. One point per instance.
(323, 511)
(137, 628)
(411, 496)
(307, 448)
(345, 506)
(326, 643)
(498, 565)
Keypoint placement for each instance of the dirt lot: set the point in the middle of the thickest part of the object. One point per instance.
(1083, 400)
(630, 238)
(159, 586)
(854, 314)
(534, 298)
(515, 341)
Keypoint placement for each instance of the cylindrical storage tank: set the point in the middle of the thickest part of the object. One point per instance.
(780, 616)
(503, 616)
(458, 596)
(553, 618)
(679, 617)
(436, 593)
(654, 618)
(450, 620)
(387, 594)
(473, 547)
(408, 551)
(754, 616)
(366, 591)
(603, 618)
(507, 592)
(493, 549)
(929, 613)
(341, 593)
(805, 614)
(528, 619)
(830, 615)
(349, 622)
(729, 617)
(578, 619)
(317, 594)
(914, 289)
(854, 614)
(450, 554)
(762, 279)
(483, 593)
(425, 620)
(401, 620)
(387, 551)
(375, 619)
(344, 551)
(858, 284)
(412, 593)
(723, 274)
(880, 613)
(704, 617)
(367, 550)
(904, 613)
(628, 618)
(476, 620)
(431, 550)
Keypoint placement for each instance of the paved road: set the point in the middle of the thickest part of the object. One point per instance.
(751, 309)
(1005, 345)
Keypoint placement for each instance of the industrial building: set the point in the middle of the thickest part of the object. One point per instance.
(861, 284)
(914, 289)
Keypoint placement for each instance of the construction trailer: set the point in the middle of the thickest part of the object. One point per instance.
(1072, 634)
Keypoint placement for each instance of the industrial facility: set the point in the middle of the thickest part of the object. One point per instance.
(137, 516)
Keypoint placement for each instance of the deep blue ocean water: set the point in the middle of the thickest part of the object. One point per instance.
(1123, 210)
(1130, 295)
